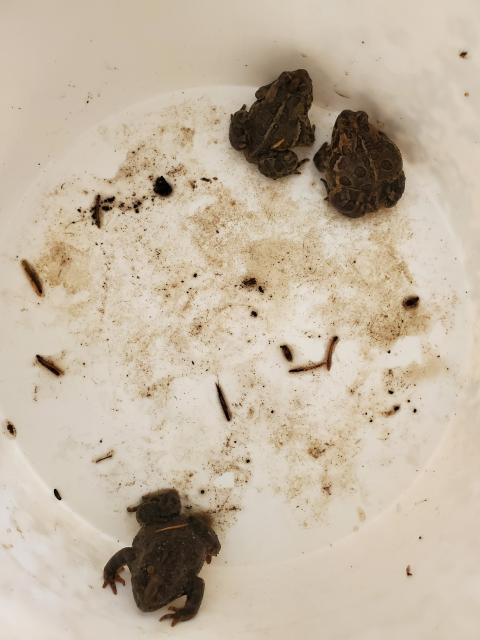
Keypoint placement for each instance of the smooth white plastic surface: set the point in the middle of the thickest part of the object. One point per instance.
(322, 493)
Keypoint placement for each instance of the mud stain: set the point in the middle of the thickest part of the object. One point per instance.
(63, 265)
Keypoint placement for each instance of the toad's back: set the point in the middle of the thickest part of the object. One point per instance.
(166, 558)
(279, 109)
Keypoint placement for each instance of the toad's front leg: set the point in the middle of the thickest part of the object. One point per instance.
(114, 566)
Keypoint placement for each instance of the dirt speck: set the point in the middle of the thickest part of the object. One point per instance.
(186, 135)
(177, 170)
(392, 411)
(315, 450)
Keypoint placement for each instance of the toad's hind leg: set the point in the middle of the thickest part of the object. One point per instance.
(391, 192)
(307, 134)
(238, 129)
(203, 530)
(194, 595)
(320, 159)
(278, 164)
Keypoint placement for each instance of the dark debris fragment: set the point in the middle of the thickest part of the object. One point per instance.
(411, 302)
(50, 365)
(162, 187)
(33, 277)
(223, 402)
(96, 211)
(287, 352)
(11, 429)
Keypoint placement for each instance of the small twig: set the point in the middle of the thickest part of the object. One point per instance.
(33, 277)
(96, 211)
(327, 362)
(173, 526)
(108, 455)
(223, 403)
(287, 352)
(307, 367)
(330, 350)
(50, 365)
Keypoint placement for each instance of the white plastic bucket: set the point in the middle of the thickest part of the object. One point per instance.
(339, 516)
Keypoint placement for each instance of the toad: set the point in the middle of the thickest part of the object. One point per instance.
(276, 122)
(362, 166)
(165, 557)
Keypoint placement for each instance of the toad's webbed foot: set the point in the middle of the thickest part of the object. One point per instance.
(110, 580)
(114, 566)
(192, 605)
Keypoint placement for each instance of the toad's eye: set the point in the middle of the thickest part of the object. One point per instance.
(360, 172)
(150, 569)
(345, 182)
(386, 165)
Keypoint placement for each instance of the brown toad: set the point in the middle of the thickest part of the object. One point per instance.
(165, 557)
(362, 166)
(276, 122)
